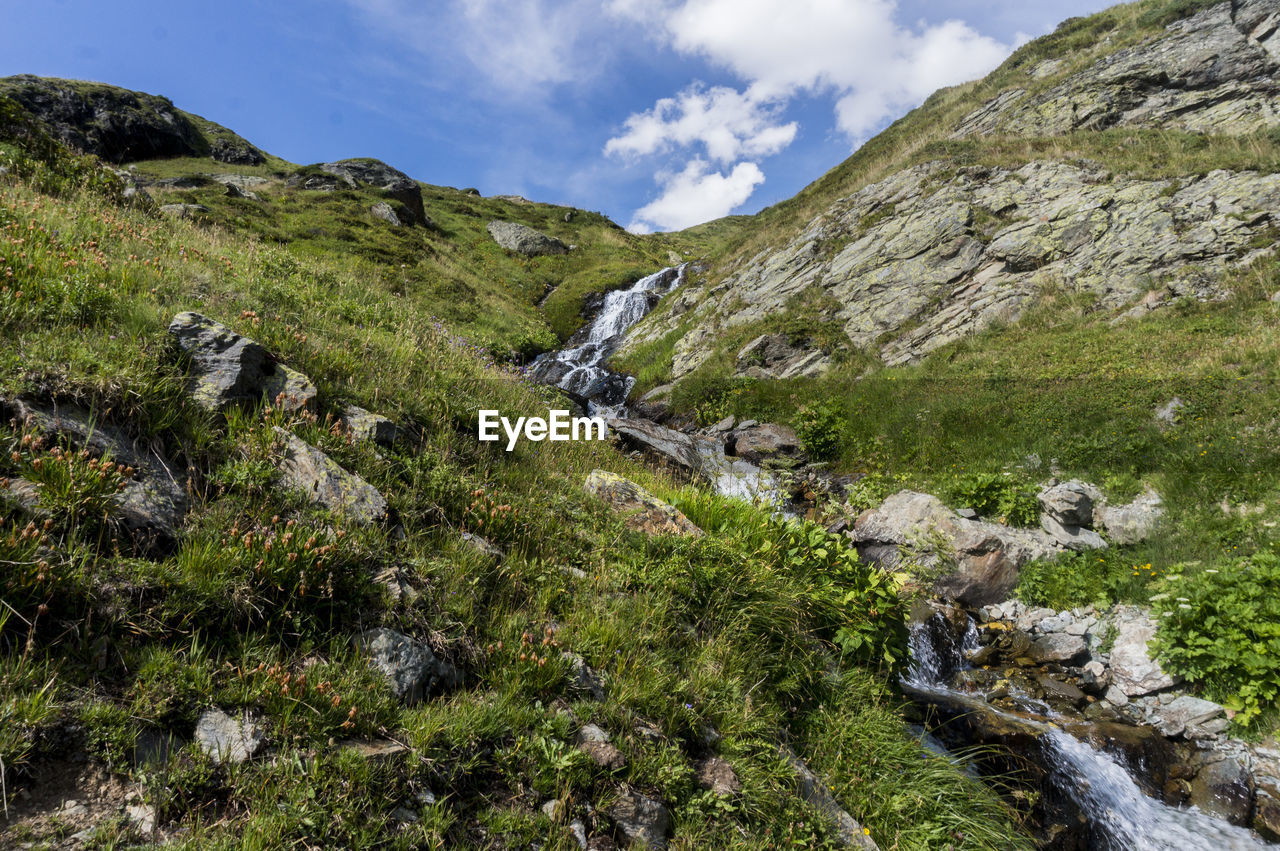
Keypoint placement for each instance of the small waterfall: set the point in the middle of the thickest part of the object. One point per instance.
(579, 367)
(1121, 816)
(1125, 819)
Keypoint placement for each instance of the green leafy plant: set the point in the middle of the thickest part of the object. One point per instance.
(1010, 498)
(819, 429)
(1220, 627)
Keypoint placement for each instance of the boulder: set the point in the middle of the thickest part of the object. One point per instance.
(1223, 788)
(525, 240)
(1074, 538)
(760, 442)
(674, 447)
(326, 483)
(153, 504)
(987, 556)
(643, 820)
(382, 210)
(1070, 503)
(718, 776)
(582, 678)
(228, 739)
(644, 512)
(1134, 522)
(1133, 670)
(366, 426)
(395, 183)
(774, 356)
(229, 369)
(1184, 714)
(594, 742)
(410, 667)
(1057, 647)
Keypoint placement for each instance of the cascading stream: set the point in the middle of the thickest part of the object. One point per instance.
(579, 368)
(1122, 817)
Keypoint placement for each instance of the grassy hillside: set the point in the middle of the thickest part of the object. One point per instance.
(727, 645)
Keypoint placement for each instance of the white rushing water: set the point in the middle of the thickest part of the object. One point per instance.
(1122, 815)
(580, 368)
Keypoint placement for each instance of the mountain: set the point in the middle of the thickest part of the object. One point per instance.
(1011, 367)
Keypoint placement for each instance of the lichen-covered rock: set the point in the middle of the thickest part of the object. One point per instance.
(643, 820)
(987, 556)
(775, 356)
(1133, 522)
(326, 483)
(153, 503)
(1214, 72)
(230, 369)
(410, 667)
(363, 425)
(227, 739)
(525, 240)
(644, 511)
(1133, 670)
(382, 210)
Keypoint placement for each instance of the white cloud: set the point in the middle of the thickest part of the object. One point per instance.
(696, 195)
(730, 125)
(517, 45)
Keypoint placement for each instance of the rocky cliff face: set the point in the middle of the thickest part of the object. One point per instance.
(934, 253)
(123, 126)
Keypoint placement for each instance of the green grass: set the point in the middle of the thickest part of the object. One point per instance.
(728, 633)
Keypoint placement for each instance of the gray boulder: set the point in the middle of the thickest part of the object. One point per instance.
(228, 739)
(1133, 670)
(366, 426)
(643, 820)
(1184, 714)
(1134, 522)
(1057, 647)
(395, 183)
(986, 556)
(767, 440)
(525, 240)
(382, 210)
(1075, 538)
(410, 667)
(1070, 503)
(326, 483)
(229, 369)
(674, 447)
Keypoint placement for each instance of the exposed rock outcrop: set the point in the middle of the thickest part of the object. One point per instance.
(644, 512)
(525, 240)
(326, 483)
(229, 369)
(355, 173)
(410, 667)
(986, 556)
(775, 356)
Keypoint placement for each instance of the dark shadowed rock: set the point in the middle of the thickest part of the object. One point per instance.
(644, 512)
(774, 356)
(642, 820)
(525, 240)
(230, 369)
(1223, 788)
(326, 483)
(395, 183)
(410, 667)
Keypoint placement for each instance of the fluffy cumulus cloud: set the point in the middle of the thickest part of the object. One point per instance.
(854, 51)
(728, 123)
(697, 194)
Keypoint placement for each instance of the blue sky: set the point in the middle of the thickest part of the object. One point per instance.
(659, 113)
